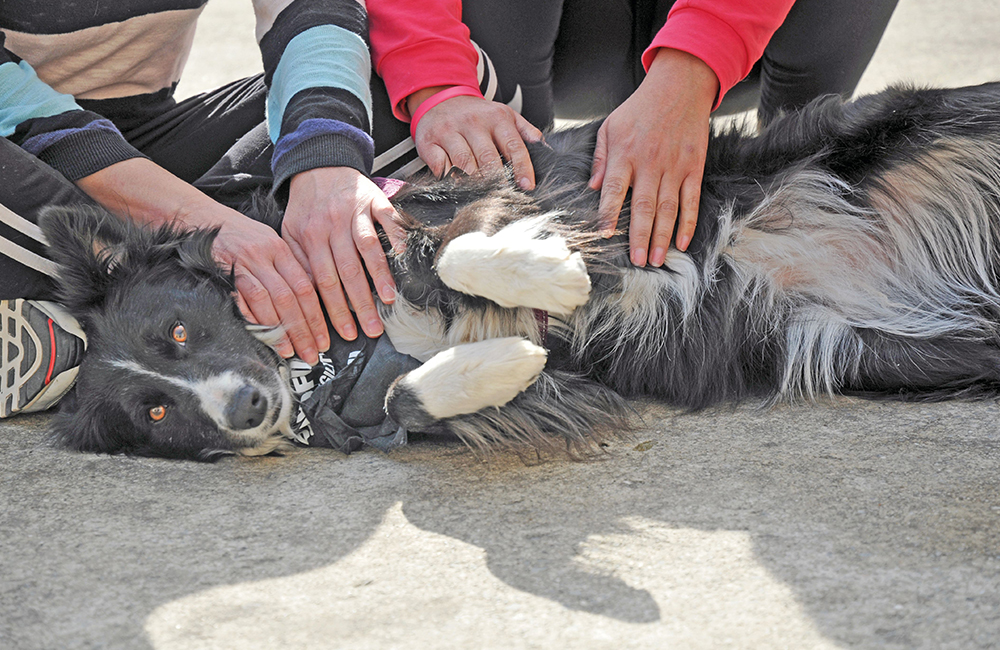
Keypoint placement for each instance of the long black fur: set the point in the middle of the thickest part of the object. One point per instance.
(130, 287)
(851, 247)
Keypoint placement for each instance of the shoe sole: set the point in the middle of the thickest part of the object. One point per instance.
(16, 335)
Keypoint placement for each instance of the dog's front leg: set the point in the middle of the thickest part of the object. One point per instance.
(464, 379)
(522, 265)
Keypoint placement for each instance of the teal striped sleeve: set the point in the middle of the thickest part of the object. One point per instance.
(51, 125)
(23, 97)
(324, 56)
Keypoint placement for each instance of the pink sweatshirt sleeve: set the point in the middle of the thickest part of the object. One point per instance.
(418, 44)
(728, 35)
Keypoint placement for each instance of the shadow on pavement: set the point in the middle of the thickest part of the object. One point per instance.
(882, 519)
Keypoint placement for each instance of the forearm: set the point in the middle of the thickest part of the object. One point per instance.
(417, 45)
(140, 190)
(728, 35)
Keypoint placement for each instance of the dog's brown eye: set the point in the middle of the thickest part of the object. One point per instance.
(157, 413)
(179, 333)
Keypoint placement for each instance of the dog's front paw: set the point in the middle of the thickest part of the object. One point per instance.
(465, 379)
(517, 268)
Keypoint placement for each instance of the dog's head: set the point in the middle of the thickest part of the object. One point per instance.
(171, 368)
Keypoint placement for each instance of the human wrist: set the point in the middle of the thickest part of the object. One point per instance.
(414, 101)
(139, 190)
(423, 100)
(671, 66)
(323, 176)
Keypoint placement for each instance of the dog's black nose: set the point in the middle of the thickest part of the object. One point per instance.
(248, 408)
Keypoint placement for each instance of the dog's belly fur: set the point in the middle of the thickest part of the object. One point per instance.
(850, 248)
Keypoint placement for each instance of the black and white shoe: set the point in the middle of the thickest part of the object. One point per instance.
(42, 346)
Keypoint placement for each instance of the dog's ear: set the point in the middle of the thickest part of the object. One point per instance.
(86, 242)
(94, 426)
(195, 253)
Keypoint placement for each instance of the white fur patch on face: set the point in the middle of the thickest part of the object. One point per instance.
(516, 268)
(473, 376)
(215, 393)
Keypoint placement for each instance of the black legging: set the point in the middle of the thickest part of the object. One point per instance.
(580, 58)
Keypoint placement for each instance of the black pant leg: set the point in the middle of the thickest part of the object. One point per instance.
(27, 185)
(596, 65)
(242, 171)
(520, 37)
(823, 47)
(187, 137)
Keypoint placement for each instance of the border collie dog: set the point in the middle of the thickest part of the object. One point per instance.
(851, 247)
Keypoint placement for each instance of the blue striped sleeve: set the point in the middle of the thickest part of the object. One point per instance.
(23, 97)
(52, 126)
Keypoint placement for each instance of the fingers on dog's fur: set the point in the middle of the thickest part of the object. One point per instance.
(465, 379)
(517, 267)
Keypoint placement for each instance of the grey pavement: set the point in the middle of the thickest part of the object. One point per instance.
(835, 525)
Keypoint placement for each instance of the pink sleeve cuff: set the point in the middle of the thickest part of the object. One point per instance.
(729, 42)
(408, 70)
(437, 98)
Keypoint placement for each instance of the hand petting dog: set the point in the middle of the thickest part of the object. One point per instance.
(655, 143)
(329, 225)
(472, 133)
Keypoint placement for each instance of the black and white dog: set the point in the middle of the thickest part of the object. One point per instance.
(849, 248)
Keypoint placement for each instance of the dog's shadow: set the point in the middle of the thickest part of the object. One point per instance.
(881, 520)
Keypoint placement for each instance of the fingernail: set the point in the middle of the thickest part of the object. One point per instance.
(682, 242)
(374, 328)
(639, 257)
(658, 256)
(323, 342)
(524, 183)
(388, 293)
(349, 331)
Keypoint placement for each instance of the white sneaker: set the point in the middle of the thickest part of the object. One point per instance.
(41, 347)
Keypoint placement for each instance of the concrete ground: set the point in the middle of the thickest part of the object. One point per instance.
(843, 524)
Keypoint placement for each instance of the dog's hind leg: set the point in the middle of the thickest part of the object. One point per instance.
(464, 379)
(561, 412)
(522, 265)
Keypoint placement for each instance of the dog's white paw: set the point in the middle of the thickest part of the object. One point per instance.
(473, 376)
(513, 268)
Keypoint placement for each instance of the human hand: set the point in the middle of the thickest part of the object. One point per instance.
(272, 287)
(329, 225)
(472, 133)
(656, 142)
